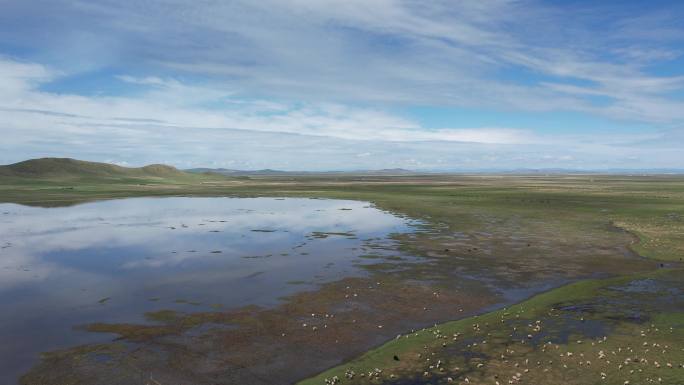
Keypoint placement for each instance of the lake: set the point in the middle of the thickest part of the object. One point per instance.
(112, 261)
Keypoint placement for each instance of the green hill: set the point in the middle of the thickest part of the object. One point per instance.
(72, 169)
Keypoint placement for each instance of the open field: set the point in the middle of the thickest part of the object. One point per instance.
(486, 242)
(648, 206)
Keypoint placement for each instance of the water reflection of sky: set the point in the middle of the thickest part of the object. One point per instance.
(56, 264)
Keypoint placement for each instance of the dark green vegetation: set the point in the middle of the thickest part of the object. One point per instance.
(486, 241)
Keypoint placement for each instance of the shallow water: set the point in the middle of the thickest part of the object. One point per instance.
(112, 261)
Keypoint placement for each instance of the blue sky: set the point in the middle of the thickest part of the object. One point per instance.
(345, 84)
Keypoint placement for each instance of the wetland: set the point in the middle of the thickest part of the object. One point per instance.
(113, 261)
(322, 272)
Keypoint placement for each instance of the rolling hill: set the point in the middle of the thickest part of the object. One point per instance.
(71, 169)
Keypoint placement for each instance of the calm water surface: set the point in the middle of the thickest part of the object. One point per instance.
(112, 261)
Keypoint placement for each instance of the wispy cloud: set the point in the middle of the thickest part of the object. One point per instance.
(174, 104)
(391, 51)
(327, 72)
(167, 125)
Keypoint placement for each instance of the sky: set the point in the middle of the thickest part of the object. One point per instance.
(344, 84)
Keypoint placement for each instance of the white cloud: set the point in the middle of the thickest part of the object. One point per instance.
(173, 104)
(270, 81)
(189, 126)
(465, 53)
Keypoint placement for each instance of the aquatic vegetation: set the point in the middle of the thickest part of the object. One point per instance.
(557, 337)
(326, 234)
(480, 244)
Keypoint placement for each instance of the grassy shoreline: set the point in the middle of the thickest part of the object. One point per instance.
(519, 229)
(650, 207)
(412, 347)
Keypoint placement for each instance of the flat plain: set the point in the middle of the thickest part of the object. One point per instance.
(537, 279)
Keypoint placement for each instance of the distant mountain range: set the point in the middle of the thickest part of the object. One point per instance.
(401, 171)
(72, 169)
(269, 172)
(560, 171)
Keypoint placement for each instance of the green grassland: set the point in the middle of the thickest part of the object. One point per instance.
(596, 331)
(650, 207)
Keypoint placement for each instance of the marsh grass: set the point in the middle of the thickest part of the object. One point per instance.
(515, 230)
